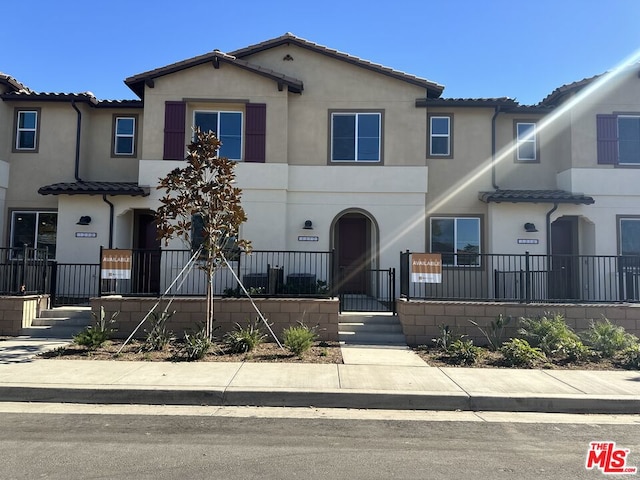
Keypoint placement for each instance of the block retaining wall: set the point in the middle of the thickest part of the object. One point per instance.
(190, 312)
(421, 320)
(17, 312)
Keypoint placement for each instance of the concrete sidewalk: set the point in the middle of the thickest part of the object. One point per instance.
(402, 387)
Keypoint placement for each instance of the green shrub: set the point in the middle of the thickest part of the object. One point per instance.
(446, 338)
(630, 357)
(95, 336)
(517, 352)
(494, 332)
(158, 338)
(551, 334)
(196, 345)
(464, 352)
(608, 339)
(244, 339)
(299, 338)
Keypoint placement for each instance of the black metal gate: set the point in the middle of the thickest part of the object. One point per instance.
(379, 294)
(73, 283)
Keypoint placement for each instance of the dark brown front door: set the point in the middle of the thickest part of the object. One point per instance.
(146, 264)
(352, 253)
(563, 268)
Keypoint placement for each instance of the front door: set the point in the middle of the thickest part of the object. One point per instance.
(352, 253)
(146, 263)
(564, 268)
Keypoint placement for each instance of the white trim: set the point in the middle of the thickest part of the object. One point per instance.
(530, 138)
(19, 130)
(124, 135)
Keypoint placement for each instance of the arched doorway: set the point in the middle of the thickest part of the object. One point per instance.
(355, 236)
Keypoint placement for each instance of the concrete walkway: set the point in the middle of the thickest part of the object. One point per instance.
(371, 377)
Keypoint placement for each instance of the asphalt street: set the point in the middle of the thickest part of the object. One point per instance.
(95, 443)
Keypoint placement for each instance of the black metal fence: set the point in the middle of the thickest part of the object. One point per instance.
(529, 278)
(23, 271)
(73, 283)
(375, 291)
(263, 273)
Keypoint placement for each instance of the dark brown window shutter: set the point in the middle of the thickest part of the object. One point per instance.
(607, 128)
(174, 139)
(255, 132)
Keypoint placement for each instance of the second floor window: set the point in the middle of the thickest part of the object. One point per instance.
(526, 142)
(628, 140)
(124, 142)
(228, 128)
(355, 137)
(26, 130)
(440, 136)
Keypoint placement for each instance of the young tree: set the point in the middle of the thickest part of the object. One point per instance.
(202, 193)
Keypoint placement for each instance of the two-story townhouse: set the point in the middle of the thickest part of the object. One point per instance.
(333, 153)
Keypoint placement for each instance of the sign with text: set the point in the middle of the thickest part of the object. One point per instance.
(426, 268)
(116, 264)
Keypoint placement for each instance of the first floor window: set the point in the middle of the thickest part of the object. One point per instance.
(526, 142)
(26, 130)
(440, 136)
(228, 128)
(35, 230)
(355, 137)
(457, 239)
(629, 236)
(124, 142)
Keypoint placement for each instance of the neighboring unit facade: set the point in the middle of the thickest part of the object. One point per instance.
(334, 153)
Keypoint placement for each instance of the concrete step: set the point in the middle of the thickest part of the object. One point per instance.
(352, 338)
(370, 329)
(62, 321)
(67, 312)
(58, 332)
(373, 328)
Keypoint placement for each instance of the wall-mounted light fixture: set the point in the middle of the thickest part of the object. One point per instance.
(530, 227)
(84, 220)
(308, 225)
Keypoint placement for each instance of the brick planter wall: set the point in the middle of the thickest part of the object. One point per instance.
(190, 312)
(17, 312)
(421, 319)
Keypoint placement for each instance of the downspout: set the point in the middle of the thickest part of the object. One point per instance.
(493, 148)
(78, 131)
(555, 207)
(104, 197)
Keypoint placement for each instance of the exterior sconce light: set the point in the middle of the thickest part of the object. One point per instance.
(530, 228)
(308, 225)
(84, 220)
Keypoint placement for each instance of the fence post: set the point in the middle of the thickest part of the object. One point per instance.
(392, 275)
(404, 274)
(527, 267)
(54, 283)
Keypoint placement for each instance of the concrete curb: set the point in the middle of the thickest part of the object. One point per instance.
(320, 399)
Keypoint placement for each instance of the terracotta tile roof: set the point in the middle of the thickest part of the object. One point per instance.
(95, 188)
(137, 82)
(12, 83)
(85, 97)
(557, 96)
(433, 89)
(535, 196)
(466, 102)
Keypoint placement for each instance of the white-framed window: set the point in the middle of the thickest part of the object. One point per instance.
(124, 135)
(35, 230)
(440, 136)
(628, 140)
(26, 131)
(457, 239)
(227, 125)
(526, 141)
(629, 235)
(356, 136)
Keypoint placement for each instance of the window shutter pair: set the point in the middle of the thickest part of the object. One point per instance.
(254, 131)
(607, 131)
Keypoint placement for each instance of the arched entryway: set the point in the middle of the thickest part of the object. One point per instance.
(355, 239)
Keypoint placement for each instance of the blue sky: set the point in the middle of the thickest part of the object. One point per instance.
(489, 48)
